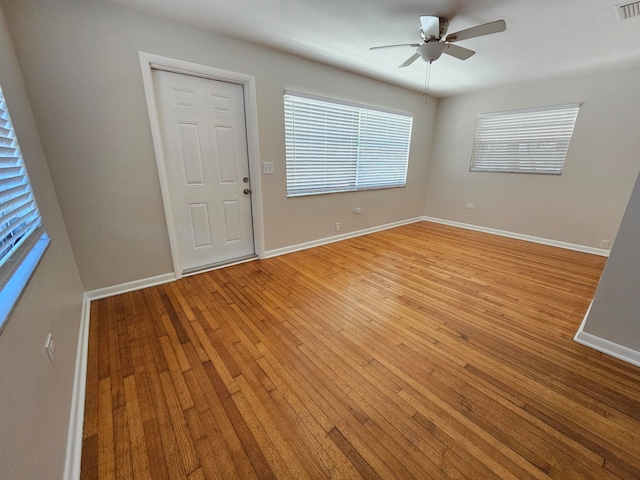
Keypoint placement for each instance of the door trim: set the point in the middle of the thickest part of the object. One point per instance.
(149, 62)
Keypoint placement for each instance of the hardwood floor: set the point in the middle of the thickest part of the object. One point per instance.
(424, 351)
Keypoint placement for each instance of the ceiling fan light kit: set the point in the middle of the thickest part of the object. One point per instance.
(434, 43)
(431, 51)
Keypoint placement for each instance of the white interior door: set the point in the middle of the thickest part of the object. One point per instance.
(204, 140)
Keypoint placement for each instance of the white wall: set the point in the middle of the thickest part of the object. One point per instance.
(614, 315)
(80, 63)
(35, 395)
(585, 204)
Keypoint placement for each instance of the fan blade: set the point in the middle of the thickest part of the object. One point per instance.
(410, 60)
(478, 31)
(398, 45)
(430, 26)
(458, 51)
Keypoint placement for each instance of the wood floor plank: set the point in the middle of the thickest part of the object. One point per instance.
(206, 434)
(90, 427)
(106, 447)
(102, 355)
(226, 437)
(386, 411)
(254, 453)
(146, 372)
(422, 351)
(176, 371)
(122, 450)
(184, 447)
(139, 456)
(352, 454)
(309, 419)
(288, 448)
(197, 475)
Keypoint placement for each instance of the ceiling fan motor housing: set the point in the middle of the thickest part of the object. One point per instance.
(444, 26)
(433, 28)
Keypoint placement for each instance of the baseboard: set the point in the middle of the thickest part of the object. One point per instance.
(130, 286)
(336, 238)
(76, 419)
(169, 277)
(520, 236)
(615, 350)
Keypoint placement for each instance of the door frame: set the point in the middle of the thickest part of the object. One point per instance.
(149, 62)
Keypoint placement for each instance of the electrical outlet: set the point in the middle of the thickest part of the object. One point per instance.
(50, 346)
(357, 211)
(338, 226)
(471, 205)
(267, 168)
(605, 243)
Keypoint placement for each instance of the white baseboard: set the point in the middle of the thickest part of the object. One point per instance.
(600, 344)
(130, 286)
(613, 349)
(520, 236)
(336, 238)
(76, 419)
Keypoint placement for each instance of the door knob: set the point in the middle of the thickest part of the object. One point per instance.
(247, 191)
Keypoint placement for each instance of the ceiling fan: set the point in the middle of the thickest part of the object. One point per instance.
(434, 43)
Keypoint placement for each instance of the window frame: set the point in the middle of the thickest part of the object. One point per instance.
(22, 259)
(365, 152)
(515, 130)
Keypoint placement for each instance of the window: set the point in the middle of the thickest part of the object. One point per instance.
(22, 237)
(525, 141)
(339, 147)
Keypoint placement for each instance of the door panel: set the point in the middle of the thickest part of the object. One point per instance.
(191, 157)
(223, 138)
(231, 221)
(200, 226)
(205, 149)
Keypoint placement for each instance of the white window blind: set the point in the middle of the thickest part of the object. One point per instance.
(338, 147)
(19, 216)
(525, 141)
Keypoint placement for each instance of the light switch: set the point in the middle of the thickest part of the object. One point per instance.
(267, 168)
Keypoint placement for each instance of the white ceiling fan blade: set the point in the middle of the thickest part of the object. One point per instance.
(397, 45)
(410, 60)
(458, 51)
(478, 31)
(430, 26)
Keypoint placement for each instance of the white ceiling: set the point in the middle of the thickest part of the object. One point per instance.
(544, 38)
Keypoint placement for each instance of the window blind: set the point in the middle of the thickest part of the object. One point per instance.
(525, 141)
(19, 215)
(338, 147)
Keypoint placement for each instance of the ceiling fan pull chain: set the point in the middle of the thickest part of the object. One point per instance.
(426, 83)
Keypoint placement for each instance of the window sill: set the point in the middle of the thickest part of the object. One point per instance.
(17, 283)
